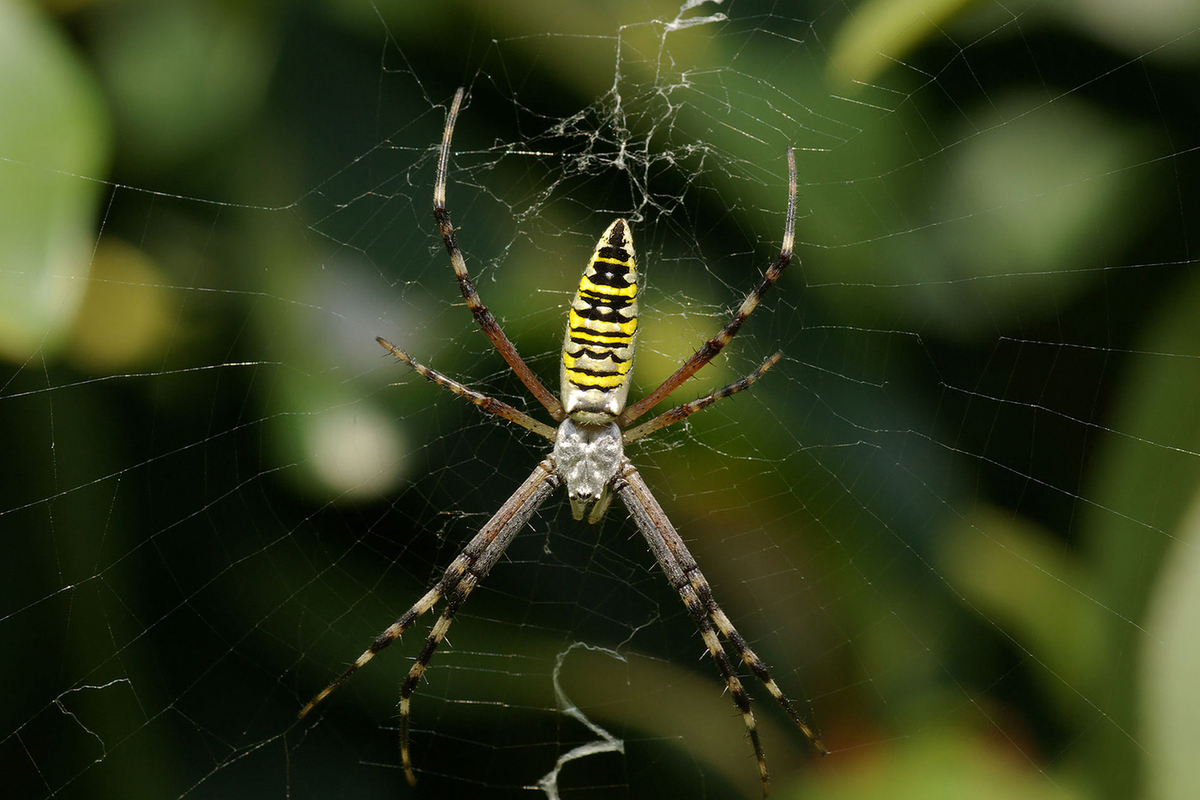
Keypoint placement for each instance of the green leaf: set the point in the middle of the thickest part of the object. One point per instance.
(54, 146)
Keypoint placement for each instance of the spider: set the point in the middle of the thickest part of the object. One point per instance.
(588, 453)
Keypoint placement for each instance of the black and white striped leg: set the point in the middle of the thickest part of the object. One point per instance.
(454, 600)
(748, 656)
(683, 574)
(652, 522)
(476, 559)
(687, 409)
(489, 404)
(708, 351)
(532, 494)
(450, 578)
(483, 317)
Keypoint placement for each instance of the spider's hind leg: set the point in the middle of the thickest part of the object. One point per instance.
(483, 317)
(454, 599)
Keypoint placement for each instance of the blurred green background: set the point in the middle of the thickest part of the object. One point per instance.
(958, 518)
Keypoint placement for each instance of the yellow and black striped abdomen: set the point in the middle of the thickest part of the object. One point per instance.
(598, 349)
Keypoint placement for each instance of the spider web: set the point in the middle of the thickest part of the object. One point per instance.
(957, 518)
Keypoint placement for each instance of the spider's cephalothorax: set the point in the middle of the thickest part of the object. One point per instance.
(588, 454)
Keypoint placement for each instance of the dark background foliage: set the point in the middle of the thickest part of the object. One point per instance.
(957, 518)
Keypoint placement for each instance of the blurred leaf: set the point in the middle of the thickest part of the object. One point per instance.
(54, 130)
(1140, 29)
(1145, 480)
(948, 763)
(1170, 688)
(182, 74)
(1014, 574)
(126, 317)
(1028, 204)
(881, 32)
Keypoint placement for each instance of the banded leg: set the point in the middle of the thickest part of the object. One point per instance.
(489, 404)
(687, 409)
(709, 349)
(457, 596)
(476, 558)
(653, 523)
(483, 317)
(748, 656)
(691, 570)
(684, 574)
(454, 600)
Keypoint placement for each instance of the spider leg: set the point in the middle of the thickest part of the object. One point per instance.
(488, 404)
(653, 523)
(684, 575)
(749, 657)
(709, 349)
(471, 564)
(483, 317)
(687, 409)
(454, 600)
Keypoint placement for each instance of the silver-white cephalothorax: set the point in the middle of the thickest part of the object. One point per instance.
(587, 457)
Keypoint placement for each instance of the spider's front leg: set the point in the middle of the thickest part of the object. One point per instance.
(463, 574)
(685, 577)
